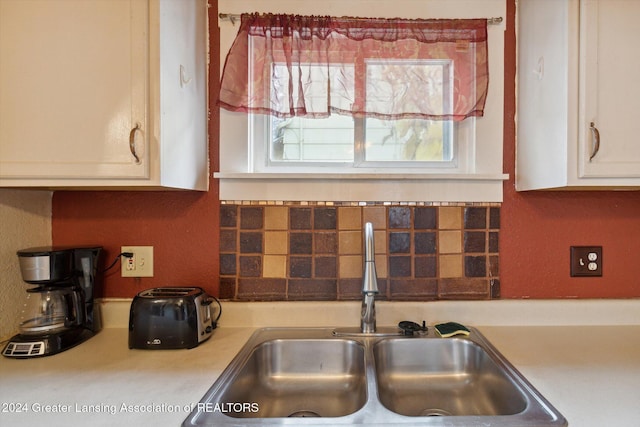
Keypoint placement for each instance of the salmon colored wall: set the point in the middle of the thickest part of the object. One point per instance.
(537, 228)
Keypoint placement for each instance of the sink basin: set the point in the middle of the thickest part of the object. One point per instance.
(311, 376)
(443, 377)
(300, 378)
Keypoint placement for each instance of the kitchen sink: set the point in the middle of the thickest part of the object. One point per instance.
(443, 377)
(301, 378)
(310, 376)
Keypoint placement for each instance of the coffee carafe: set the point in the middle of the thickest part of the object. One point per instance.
(58, 312)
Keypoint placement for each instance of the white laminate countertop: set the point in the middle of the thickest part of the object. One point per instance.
(589, 371)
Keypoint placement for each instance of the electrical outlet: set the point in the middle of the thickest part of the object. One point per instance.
(140, 264)
(586, 261)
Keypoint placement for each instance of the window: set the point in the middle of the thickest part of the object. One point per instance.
(344, 141)
(286, 155)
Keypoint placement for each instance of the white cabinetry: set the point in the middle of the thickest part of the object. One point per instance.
(578, 94)
(103, 94)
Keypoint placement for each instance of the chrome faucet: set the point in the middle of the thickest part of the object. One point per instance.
(369, 283)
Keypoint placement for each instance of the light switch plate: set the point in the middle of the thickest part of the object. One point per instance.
(140, 265)
(586, 261)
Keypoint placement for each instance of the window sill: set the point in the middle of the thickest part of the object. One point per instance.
(361, 187)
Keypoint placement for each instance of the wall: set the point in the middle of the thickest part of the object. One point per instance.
(536, 228)
(25, 221)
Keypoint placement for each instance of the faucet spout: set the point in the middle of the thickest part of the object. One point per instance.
(369, 283)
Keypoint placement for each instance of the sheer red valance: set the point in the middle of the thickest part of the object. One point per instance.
(313, 66)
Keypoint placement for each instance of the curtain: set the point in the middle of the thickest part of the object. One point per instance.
(315, 66)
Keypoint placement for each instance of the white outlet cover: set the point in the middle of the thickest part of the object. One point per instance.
(142, 261)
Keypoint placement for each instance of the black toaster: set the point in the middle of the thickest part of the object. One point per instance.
(170, 318)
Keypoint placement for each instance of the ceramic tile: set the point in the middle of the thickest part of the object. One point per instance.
(313, 251)
(250, 266)
(250, 242)
(313, 289)
(349, 218)
(494, 241)
(228, 264)
(276, 242)
(494, 218)
(494, 266)
(381, 266)
(475, 218)
(425, 218)
(463, 288)
(258, 289)
(475, 266)
(449, 218)
(475, 241)
(350, 289)
(380, 241)
(399, 217)
(425, 266)
(350, 266)
(228, 241)
(324, 218)
(425, 242)
(325, 267)
(301, 243)
(376, 215)
(251, 218)
(449, 242)
(276, 218)
(494, 288)
(300, 267)
(228, 216)
(325, 242)
(227, 289)
(399, 266)
(413, 289)
(274, 266)
(350, 242)
(399, 242)
(300, 218)
(450, 266)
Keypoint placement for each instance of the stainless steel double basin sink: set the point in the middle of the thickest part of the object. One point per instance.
(310, 376)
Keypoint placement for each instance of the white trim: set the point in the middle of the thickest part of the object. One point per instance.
(482, 177)
(365, 188)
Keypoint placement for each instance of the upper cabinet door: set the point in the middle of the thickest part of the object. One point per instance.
(609, 90)
(73, 87)
(578, 95)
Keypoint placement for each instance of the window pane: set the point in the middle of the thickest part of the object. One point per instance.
(411, 83)
(408, 140)
(312, 140)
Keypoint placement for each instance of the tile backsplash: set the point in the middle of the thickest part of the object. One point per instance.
(305, 251)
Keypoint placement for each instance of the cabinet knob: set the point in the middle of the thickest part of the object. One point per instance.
(595, 133)
(132, 142)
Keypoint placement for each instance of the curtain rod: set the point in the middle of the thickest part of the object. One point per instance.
(233, 17)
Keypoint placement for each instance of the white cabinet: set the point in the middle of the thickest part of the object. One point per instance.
(578, 94)
(103, 94)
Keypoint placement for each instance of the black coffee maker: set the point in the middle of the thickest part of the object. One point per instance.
(59, 311)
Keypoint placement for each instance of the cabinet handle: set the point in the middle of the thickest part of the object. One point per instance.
(596, 140)
(132, 142)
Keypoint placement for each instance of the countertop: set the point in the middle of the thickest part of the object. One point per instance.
(589, 372)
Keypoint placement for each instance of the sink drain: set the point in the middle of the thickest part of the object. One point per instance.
(434, 412)
(304, 414)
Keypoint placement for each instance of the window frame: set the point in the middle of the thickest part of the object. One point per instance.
(478, 176)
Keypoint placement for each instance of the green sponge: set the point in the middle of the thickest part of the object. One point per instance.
(449, 329)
